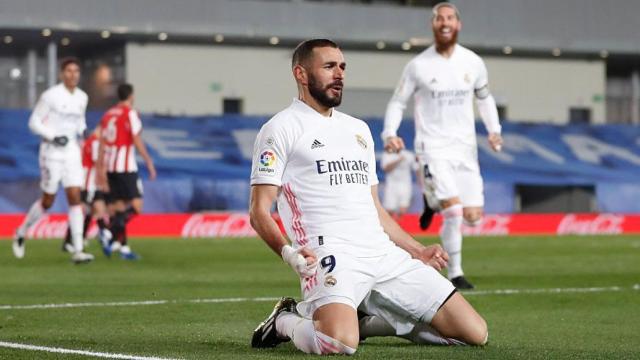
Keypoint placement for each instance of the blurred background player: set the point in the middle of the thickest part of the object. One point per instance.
(93, 198)
(121, 128)
(444, 79)
(59, 118)
(398, 188)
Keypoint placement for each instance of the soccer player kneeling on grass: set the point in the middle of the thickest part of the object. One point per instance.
(319, 164)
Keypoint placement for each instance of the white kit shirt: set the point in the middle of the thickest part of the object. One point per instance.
(325, 167)
(443, 91)
(59, 113)
(401, 174)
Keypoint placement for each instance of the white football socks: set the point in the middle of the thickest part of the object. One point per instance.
(76, 223)
(451, 234)
(305, 337)
(425, 334)
(371, 326)
(35, 213)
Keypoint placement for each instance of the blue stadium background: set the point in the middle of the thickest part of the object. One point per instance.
(204, 162)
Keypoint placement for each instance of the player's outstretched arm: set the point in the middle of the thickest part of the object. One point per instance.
(432, 255)
(101, 169)
(395, 108)
(142, 149)
(302, 260)
(488, 111)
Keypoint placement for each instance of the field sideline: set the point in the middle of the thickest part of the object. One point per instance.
(543, 297)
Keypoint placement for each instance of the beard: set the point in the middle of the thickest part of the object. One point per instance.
(443, 42)
(321, 93)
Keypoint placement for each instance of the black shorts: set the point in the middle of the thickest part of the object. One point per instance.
(90, 197)
(124, 186)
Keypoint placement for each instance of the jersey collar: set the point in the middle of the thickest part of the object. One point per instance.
(303, 107)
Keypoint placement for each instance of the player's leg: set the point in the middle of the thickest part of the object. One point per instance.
(76, 223)
(471, 193)
(451, 235)
(118, 222)
(50, 177)
(457, 319)
(429, 198)
(470, 185)
(416, 302)
(118, 198)
(134, 207)
(333, 330)
(327, 322)
(100, 212)
(72, 180)
(67, 245)
(446, 186)
(35, 213)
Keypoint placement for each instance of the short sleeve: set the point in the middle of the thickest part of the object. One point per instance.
(482, 79)
(136, 123)
(270, 155)
(373, 176)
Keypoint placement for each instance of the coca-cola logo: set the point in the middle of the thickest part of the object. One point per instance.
(47, 228)
(201, 226)
(601, 224)
(490, 225)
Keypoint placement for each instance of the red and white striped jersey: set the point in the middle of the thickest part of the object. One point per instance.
(90, 151)
(119, 125)
(89, 158)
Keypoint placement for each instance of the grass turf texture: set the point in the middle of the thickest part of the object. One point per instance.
(532, 326)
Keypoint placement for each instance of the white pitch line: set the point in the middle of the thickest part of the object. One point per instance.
(78, 352)
(134, 303)
(263, 299)
(549, 291)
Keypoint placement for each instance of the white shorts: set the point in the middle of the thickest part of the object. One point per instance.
(396, 197)
(55, 168)
(401, 290)
(456, 178)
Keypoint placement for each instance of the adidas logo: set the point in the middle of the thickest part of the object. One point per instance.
(316, 144)
(433, 81)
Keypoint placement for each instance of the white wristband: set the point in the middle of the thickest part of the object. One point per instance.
(292, 257)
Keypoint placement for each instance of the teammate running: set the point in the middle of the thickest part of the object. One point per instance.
(59, 119)
(444, 79)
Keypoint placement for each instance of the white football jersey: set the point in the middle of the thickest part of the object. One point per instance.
(400, 175)
(59, 113)
(443, 91)
(324, 168)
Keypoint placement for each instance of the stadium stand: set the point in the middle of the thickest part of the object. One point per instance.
(204, 162)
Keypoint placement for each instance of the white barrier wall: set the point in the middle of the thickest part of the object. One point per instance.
(194, 79)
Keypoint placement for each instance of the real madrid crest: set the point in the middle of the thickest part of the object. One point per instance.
(330, 281)
(270, 141)
(361, 141)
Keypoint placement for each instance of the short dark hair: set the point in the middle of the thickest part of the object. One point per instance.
(304, 50)
(124, 91)
(68, 61)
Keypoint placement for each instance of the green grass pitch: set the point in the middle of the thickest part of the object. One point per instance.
(601, 323)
